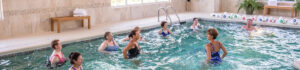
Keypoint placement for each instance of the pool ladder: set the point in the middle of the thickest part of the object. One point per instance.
(166, 10)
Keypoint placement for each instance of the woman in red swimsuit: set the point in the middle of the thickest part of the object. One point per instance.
(57, 58)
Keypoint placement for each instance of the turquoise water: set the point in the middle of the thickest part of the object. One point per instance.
(184, 50)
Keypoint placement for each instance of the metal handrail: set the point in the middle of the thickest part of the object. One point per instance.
(170, 7)
(167, 14)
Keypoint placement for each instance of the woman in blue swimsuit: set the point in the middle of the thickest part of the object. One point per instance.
(76, 61)
(164, 31)
(213, 48)
(109, 44)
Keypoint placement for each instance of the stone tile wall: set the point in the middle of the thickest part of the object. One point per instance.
(25, 17)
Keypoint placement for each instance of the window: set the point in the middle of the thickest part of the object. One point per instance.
(1, 11)
(149, 1)
(118, 2)
(132, 2)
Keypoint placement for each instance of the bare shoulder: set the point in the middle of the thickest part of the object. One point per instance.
(104, 42)
(207, 45)
(130, 44)
(220, 42)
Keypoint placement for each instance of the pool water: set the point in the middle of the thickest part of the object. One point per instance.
(184, 50)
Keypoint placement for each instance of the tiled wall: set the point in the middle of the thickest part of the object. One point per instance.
(24, 17)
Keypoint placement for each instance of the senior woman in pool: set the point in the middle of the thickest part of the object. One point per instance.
(109, 44)
(249, 26)
(57, 58)
(256, 31)
(213, 48)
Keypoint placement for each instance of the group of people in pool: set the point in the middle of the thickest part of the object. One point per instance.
(133, 49)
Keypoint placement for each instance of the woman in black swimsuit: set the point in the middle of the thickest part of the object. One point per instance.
(132, 50)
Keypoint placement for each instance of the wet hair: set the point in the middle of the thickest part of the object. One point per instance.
(194, 19)
(136, 28)
(132, 33)
(213, 32)
(162, 24)
(54, 43)
(106, 34)
(74, 56)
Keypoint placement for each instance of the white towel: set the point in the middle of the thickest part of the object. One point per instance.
(79, 12)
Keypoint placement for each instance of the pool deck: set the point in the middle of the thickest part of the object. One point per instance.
(38, 41)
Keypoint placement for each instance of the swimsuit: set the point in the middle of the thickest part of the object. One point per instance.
(62, 60)
(132, 53)
(195, 27)
(215, 56)
(112, 48)
(164, 34)
(75, 68)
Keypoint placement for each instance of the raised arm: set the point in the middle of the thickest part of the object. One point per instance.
(125, 39)
(208, 53)
(116, 43)
(224, 50)
(102, 47)
(159, 32)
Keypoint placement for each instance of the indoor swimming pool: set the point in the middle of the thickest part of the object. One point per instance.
(271, 48)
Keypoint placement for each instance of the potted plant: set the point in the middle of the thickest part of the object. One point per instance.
(297, 5)
(250, 5)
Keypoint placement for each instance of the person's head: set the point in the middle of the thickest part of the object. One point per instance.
(212, 34)
(164, 24)
(134, 34)
(137, 28)
(75, 58)
(56, 45)
(108, 36)
(249, 23)
(195, 20)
